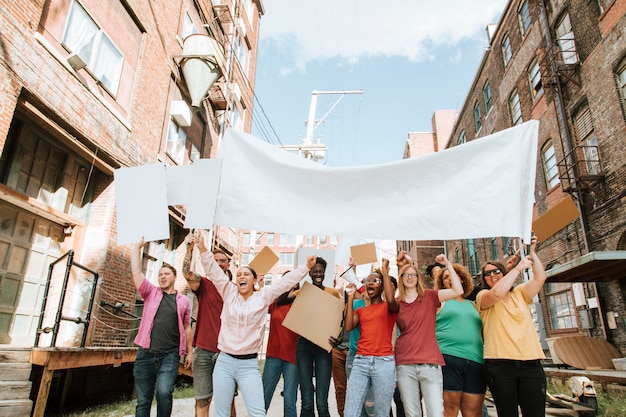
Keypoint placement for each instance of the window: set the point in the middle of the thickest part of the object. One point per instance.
(286, 258)
(587, 136)
(241, 51)
(309, 240)
(550, 169)
(461, 138)
(620, 78)
(245, 239)
(506, 50)
(565, 40)
(268, 280)
(487, 97)
(188, 27)
(493, 248)
(194, 154)
(523, 16)
(472, 251)
(176, 141)
(85, 38)
(561, 305)
(534, 78)
(237, 121)
(477, 123)
(245, 259)
(516, 109)
(269, 239)
(323, 240)
(287, 240)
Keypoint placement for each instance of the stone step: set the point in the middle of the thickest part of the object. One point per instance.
(15, 390)
(14, 355)
(15, 371)
(15, 408)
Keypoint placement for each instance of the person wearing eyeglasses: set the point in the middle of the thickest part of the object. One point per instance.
(459, 334)
(374, 365)
(418, 358)
(512, 350)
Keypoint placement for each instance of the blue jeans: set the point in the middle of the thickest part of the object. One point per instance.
(155, 370)
(371, 372)
(310, 358)
(514, 382)
(368, 404)
(245, 373)
(417, 381)
(274, 367)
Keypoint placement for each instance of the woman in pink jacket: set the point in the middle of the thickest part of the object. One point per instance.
(243, 322)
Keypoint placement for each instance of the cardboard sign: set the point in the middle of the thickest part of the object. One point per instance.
(364, 254)
(264, 261)
(315, 315)
(556, 218)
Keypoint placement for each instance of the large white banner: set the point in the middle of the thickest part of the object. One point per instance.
(482, 188)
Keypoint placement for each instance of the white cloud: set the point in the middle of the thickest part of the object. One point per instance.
(351, 29)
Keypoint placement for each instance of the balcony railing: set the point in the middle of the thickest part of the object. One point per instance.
(581, 170)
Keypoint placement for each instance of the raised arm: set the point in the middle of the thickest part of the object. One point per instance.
(457, 288)
(352, 320)
(192, 278)
(535, 283)
(388, 288)
(502, 287)
(135, 263)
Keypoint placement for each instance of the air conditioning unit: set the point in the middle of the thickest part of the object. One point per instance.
(240, 27)
(235, 92)
(76, 61)
(181, 113)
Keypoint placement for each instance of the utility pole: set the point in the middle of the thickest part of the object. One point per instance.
(309, 148)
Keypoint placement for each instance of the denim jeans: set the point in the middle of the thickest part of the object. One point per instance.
(368, 404)
(312, 358)
(514, 382)
(155, 370)
(274, 367)
(245, 373)
(371, 372)
(417, 381)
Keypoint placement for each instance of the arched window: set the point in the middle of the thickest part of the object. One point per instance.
(550, 168)
(523, 16)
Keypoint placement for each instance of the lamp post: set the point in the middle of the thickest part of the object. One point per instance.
(201, 63)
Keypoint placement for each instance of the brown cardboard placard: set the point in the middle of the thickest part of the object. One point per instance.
(556, 218)
(364, 254)
(315, 315)
(264, 261)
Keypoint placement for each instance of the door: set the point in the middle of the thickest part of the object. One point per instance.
(28, 244)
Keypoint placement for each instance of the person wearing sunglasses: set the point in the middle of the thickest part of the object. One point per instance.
(459, 334)
(373, 366)
(512, 350)
(418, 358)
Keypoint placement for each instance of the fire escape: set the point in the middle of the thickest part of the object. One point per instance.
(580, 169)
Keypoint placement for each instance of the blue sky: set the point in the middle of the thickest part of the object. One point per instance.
(409, 57)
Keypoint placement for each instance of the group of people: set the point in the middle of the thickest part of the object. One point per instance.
(436, 349)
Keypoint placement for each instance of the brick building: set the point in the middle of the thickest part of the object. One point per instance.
(562, 63)
(87, 87)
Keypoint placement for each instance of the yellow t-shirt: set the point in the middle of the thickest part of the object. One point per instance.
(508, 328)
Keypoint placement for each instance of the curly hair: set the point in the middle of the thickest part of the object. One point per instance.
(466, 278)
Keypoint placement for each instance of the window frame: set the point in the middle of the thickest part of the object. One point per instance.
(505, 46)
(620, 81)
(111, 81)
(477, 117)
(550, 168)
(515, 108)
(462, 137)
(560, 289)
(534, 79)
(523, 17)
(487, 97)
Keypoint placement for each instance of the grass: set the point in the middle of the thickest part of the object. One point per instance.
(183, 389)
(610, 404)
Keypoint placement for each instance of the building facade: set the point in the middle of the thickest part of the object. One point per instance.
(87, 87)
(562, 63)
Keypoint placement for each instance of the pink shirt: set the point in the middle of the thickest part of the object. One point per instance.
(243, 321)
(152, 296)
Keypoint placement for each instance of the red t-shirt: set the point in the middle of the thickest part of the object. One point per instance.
(208, 321)
(417, 343)
(376, 322)
(281, 342)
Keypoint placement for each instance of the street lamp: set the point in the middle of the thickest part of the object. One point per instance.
(201, 64)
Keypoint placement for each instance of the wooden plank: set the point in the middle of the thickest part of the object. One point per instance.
(42, 395)
(81, 358)
(585, 352)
